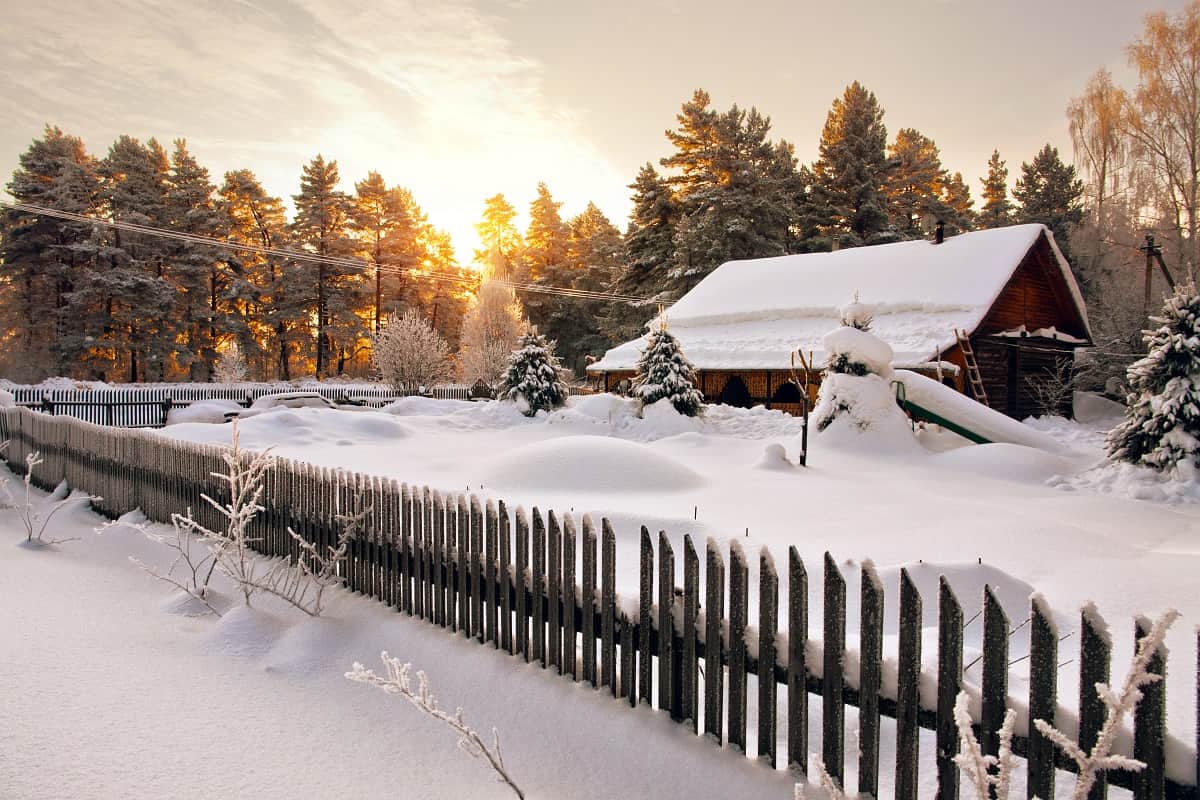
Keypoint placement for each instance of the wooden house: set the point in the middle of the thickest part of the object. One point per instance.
(1008, 290)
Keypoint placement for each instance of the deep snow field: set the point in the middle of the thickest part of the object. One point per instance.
(112, 695)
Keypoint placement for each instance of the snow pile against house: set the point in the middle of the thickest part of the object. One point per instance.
(756, 313)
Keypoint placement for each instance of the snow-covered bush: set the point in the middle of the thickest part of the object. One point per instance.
(533, 379)
(856, 315)
(409, 353)
(664, 373)
(230, 366)
(855, 386)
(396, 682)
(490, 331)
(1162, 424)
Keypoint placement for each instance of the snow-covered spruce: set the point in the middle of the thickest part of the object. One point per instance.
(409, 353)
(1162, 424)
(663, 373)
(856, 387)
(533, 379)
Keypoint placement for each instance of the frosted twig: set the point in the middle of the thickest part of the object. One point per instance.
(33, 520)
(397, 682)
(1117, 705)
(977, 767)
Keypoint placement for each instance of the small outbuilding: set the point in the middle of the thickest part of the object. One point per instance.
(1007, 294)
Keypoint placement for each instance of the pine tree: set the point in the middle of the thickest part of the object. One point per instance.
(257, 300)
(1050, 193)
(544, 261)
(915, 183)
(849, 175)
(45, 324)
(132, 287)
(533, 377)
(664, 373)
(734, 188)
(338, 291)
(196, 270)
(959, 216)
(596, 255)
(1162, 423)
(649, 242)
(501, 250)
(386, 224)
(997, 209)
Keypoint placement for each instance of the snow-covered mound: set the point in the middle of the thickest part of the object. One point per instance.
(6, 399)
(1006, 461)
(1173, 487)
(589, 464)
(205, 411)
(417, 406)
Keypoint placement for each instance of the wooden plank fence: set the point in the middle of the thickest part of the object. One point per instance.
(136, 406)
(469, 566)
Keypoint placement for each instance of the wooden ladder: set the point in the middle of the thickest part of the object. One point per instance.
(974, 379)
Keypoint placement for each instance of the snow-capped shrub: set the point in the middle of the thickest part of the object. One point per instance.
(533, 379)
(856, 315)
(663, 373)
(855, 386)
(409, 353)
(1162, 423)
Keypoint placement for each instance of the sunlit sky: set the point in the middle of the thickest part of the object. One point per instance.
(460, 99)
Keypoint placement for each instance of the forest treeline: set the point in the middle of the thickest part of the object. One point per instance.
(90, 301)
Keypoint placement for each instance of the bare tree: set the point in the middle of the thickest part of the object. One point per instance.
(409, 353)
(490, 333)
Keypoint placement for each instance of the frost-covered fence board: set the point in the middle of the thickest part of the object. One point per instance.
(768, 624)
(570, 608)
(554, 591)
(1043, 696)
(1149, 724)
(870, 649)
(608, 607)
(950, 669)
(645, 612)
(908, 700)
(587, 599)
(797, 671)
(739, 579)
(714, 652)
(995, 672)
(691, 607)
(445, 558)
(833, 727)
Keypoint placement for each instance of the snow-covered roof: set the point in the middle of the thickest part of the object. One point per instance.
(754, 313)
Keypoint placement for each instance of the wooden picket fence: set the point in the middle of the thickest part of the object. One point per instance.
(509, 581)
(137, 406)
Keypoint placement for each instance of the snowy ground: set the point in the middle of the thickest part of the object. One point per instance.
(272, 716)
(1017, 518)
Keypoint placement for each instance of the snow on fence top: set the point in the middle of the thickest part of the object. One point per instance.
(754, 313)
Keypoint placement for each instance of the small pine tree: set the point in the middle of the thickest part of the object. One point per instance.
(533, 376)
(230, 366)
(664, 372)
(1162, 424)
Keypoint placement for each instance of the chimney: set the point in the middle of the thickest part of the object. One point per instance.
(836, 245)
(939, 232)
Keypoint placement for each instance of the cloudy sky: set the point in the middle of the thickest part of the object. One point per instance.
(460, 99)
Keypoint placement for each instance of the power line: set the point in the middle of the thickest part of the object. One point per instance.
(300, 255)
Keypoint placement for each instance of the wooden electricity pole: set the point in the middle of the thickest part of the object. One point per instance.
(1154, 253)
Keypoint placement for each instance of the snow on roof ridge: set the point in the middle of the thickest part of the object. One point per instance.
(771, 314)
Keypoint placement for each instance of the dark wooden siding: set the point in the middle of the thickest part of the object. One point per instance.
(1037, 296)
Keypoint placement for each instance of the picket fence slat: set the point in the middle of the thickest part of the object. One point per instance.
(950, 670)
(1043, 696)
(714, 651)
(739, 580)
(908, 701)
(587, 602)
(833, 733)
(870, 678)
(645, 611)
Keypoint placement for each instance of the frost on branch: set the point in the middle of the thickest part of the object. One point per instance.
(409, 353)
(396, 681)
(989, 776)
(230, 366)
(301, 582)
(36, 520)
(1117, 704)
(6, 498)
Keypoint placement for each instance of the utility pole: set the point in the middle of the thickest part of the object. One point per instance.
(1154, 254)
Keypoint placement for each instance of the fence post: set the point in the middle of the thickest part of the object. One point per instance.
(666, 627)
(950, 668)
(908, 697)
(768, 622)
(870, 656)
(554, 591)
(739, 579)
(691, 607)
(833, 734)
(587, 602)
(645, 611)
(522, 584)
(608, 602)
(995, 673)
(797, 665)
(570, 665)
(1149, 724)
(506, 579)
(1043, 696)
(539, 588)
(714, 616)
